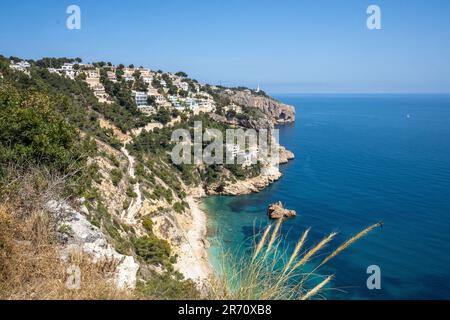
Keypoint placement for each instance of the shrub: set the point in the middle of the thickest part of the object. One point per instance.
(153, 250)
(32, 131)
(168, 287)
(116, 176)
(178, 207)
(130, 192)
(147, 223)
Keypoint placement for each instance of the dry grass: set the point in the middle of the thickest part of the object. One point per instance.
(270, 275)
(30, 258)
(31, 266)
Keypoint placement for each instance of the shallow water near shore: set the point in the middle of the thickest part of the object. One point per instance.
(360, 159)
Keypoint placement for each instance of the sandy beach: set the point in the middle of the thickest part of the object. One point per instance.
(193, 260)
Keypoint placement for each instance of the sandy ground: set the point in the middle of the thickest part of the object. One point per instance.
(193, 256)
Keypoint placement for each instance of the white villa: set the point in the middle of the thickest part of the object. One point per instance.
(183, 86)
(248, 158)
(191, 104)
(140, 98)
(147, 79)
(67, 67)
(22, 66)
(68, 71)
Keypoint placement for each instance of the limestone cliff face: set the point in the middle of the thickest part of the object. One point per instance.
(262, 122)
(277, 111)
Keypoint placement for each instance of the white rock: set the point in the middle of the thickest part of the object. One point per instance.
(90, 239)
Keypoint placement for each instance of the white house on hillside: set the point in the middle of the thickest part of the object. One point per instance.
(140, 98)
(67, 67)
(22, 66)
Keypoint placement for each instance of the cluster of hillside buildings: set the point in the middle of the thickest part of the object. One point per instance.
(193, 97)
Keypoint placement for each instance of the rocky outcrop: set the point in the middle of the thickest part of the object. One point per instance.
(247, 186)
(285, 155)
(261, 122)
(277, 211)
(81, 236)
(277, 111)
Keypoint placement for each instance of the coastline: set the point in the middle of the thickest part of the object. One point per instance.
(193, 261)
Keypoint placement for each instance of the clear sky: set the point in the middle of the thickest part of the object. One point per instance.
(287, 46)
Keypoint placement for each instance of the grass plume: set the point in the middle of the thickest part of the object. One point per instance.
(273, 275)
(349, 242)
(314, 291)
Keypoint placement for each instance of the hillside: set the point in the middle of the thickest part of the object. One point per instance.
(93, 140)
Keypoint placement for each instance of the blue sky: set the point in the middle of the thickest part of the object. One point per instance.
(287, 46)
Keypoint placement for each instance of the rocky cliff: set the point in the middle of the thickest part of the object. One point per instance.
(277, 111)
(129, 205)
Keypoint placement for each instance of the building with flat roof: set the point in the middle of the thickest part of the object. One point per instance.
(140, 98)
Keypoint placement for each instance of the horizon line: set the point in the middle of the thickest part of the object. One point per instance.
(358, 93)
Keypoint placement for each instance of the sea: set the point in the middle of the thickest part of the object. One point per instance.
(360, 159)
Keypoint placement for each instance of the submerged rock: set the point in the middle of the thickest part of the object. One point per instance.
(277, 211)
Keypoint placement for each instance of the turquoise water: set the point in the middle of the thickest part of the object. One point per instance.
(361, 159)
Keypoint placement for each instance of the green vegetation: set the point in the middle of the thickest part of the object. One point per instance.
(56, 62)
(124, 113)
(75, 101)
(147, 223)
(181, 74)
(153, 250)
(116, 176)
(31, 131)
(163, 116)
(168, 286)
(157, 145)
(179, 207)
(130, 193)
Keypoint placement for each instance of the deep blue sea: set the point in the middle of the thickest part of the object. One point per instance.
(361, 159)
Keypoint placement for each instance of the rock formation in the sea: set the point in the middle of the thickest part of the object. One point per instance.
(277, 211)
(285, 155)
(279, 112)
